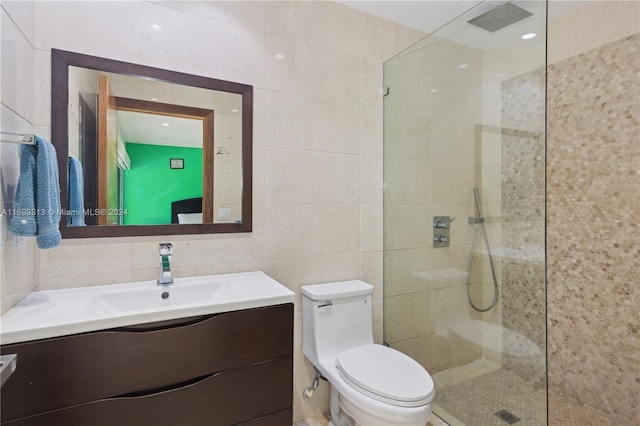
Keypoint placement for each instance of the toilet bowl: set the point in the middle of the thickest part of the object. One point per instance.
(371, 384)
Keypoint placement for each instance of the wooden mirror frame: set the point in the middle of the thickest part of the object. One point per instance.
(60, 62)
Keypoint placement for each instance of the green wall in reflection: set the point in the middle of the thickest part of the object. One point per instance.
(150, 186)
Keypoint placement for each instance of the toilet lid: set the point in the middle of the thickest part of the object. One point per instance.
(386, 375)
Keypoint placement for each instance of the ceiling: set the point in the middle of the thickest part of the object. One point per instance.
(430, 15)
(156, 129)
(426, 16)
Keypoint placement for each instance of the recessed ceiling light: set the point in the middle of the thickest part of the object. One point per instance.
(234, 110)
(165, 124)
(155, 27)
(433, 90)
(154, 99)
(463, 66)
(278, 56)
(528, 36)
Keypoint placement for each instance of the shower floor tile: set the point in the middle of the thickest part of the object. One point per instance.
(476, 401)
(470, 395)
(563, 412)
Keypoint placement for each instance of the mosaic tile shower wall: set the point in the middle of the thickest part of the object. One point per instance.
(593, 203)
(523, 266)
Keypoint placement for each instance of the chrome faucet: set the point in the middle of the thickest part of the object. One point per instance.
(165, 277)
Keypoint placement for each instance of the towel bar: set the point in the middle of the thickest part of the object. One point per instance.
(27, 138)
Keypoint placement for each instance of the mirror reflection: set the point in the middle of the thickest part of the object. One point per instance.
(158, 146)
(150, 151)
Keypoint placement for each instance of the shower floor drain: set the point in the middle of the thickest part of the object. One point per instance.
(507, 417)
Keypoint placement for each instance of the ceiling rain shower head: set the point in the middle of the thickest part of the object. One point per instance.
(500, 17)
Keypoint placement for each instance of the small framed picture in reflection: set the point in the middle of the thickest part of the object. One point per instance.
(176, 163)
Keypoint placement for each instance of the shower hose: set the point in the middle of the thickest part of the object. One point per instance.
(475, 221)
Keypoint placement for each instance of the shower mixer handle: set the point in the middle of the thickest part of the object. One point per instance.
(441, 230)
(443, 222)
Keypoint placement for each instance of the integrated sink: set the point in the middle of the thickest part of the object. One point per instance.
(161, 297)
(56, 313)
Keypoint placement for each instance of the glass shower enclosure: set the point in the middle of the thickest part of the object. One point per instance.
(464, 212)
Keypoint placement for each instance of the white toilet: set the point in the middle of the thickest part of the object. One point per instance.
(371, 384)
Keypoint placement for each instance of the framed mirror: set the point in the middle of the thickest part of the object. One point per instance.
(147, 151)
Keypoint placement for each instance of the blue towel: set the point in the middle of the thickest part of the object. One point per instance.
(76, 193)
(38, 195)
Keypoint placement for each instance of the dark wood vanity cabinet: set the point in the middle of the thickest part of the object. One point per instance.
(233, 368)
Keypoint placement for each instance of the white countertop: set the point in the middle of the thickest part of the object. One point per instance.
(53, 313)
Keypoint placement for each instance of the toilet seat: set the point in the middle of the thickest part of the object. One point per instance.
(386, 375)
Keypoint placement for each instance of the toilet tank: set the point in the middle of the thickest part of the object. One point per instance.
(335, 317)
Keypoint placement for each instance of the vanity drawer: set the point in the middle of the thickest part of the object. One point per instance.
(71, 370)
(229, 398)
(284, 417)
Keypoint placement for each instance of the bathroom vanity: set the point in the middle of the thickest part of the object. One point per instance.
(232, 365)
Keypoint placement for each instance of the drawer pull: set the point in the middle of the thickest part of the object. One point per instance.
(169, 388)
(164, 325)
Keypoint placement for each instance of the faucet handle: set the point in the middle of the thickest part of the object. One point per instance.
(165, 277)
(165, 249)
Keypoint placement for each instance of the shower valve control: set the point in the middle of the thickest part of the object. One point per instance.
(441, 228)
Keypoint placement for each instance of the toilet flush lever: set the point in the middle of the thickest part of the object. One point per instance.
(326, 304)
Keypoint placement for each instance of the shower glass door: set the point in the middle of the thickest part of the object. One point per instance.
(464, 213)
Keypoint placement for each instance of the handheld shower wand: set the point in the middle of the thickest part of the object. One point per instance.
(475, 221)
(476, 195)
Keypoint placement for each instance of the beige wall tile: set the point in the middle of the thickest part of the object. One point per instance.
(408, 135)
(17, 69)
(299, 359)
(419, 269)
(381, 39)
(71, 260)
(590, 26)
(296, 176)
(249, 14)
(17, 272)
(407, 181)
(306, 70)
(100, 28)
(300, 230)
(228, 52)
(298, 122)
(259, 117)
(259, 173)
(318, 24)
(371, 134)
(21, 13)
(371, 271)
(294, 273)
(449, 307)
(408, 316)
(453, 181)
(408, 79)
(370, 227)
(407, 226)
(377, 311)
(371, 181)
